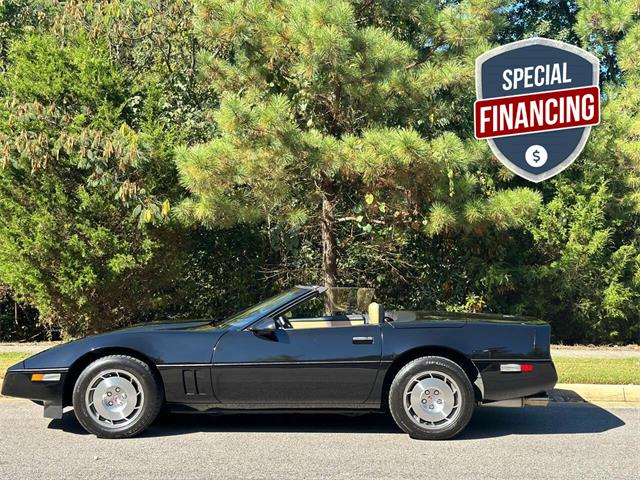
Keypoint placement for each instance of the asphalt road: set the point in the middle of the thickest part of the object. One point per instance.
(560, 441)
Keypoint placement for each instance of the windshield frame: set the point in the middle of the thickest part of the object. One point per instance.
(246, 317)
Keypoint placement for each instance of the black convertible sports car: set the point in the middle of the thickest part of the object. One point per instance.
(298, 350)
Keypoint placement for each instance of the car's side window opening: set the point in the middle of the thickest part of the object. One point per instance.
(339, 307)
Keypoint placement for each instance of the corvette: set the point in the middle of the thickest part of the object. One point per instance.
(292, 352)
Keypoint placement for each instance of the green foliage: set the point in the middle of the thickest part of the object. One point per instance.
(580, 268)
(540, 18)
(18, 321)
(293, 129)
(74, 255)
(88, 120)
(221, 271)
(589, 231)
(318, 97)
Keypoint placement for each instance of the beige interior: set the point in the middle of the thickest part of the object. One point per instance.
(375, 311)
(305, 323)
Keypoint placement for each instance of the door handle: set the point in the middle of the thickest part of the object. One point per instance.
(362, 340)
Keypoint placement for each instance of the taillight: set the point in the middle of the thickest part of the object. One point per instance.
(516, 367)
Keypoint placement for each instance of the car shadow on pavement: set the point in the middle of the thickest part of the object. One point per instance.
(560, 418)
(487, 422)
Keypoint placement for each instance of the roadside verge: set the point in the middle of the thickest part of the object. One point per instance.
(620, 395)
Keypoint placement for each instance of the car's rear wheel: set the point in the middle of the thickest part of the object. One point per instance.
(117, 397)
(431, 398)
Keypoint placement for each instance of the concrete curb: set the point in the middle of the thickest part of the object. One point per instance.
(578, 392)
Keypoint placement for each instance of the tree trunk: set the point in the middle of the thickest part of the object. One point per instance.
(329, 243)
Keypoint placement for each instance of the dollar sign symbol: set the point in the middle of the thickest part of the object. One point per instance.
(536, 156)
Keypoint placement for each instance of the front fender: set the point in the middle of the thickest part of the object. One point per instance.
(160, 347)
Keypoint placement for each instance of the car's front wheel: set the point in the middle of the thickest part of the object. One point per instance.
(117, 397)
(431, 398)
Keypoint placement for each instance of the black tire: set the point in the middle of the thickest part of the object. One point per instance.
(147, 381)
(409, 423)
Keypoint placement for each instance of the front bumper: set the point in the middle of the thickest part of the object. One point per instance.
(18, 383)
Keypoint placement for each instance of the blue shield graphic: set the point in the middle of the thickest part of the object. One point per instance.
(540, 155)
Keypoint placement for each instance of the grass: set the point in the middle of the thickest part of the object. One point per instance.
(8, 359)
(615, 371)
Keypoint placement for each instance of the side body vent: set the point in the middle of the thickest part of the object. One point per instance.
(196, 382)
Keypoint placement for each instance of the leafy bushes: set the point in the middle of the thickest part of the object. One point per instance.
(314, 142)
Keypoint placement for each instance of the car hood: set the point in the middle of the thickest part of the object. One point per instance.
(158, 325)
(188, 341)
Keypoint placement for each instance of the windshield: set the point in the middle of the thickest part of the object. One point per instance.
(247, 316)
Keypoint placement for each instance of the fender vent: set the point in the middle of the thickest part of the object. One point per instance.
(194, 382)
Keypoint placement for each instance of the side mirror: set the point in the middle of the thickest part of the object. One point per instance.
(265, 328)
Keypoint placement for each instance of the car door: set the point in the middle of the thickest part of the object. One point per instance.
(312, 367)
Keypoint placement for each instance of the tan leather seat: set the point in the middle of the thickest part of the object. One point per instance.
(376, 313)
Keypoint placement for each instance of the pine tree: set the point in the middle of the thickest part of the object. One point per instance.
(324, 101)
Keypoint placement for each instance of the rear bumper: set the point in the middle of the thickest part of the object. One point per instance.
(516, 385)
(18, 383)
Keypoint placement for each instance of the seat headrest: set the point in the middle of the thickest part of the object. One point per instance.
(376, 313)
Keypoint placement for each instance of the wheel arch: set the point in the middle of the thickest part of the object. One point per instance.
(439, 351)
(85, 360)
